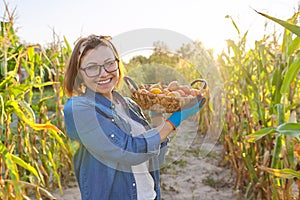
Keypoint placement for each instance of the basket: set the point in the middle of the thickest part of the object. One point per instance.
(160, 102)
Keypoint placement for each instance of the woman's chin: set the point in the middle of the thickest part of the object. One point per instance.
(104, 91)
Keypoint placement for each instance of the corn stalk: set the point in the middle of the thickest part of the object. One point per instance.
(34, 150)
(262, 93)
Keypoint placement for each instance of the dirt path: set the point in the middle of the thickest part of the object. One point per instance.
(192, 170)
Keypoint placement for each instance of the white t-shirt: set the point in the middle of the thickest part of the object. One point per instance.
(144, 180)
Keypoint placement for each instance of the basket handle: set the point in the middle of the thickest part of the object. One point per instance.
(200, 80)
(131, 84)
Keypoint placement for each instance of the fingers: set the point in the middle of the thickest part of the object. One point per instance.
(199, 97)
(203, 101)
(190, 104)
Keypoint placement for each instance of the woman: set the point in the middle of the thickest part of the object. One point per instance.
(120, 153)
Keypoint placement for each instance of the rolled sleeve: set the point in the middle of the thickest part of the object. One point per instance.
(153, 141)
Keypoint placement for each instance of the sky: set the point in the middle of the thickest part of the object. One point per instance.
(195, 19)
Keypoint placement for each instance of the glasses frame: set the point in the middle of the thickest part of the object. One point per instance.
(102, 66)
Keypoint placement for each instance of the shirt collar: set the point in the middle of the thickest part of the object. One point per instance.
(99, 98)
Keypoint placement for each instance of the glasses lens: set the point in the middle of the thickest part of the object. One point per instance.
(92, 70)
(111, 66)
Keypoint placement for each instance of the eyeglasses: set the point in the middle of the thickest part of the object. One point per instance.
(95, 70)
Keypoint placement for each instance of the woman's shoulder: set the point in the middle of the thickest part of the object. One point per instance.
(78, 99)
(77, 102)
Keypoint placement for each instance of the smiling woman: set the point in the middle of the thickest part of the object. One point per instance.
(120, 153)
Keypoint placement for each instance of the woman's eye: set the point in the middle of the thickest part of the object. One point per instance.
(92, 67)
(111, 63)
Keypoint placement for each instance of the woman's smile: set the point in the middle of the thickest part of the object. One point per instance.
(104, 82)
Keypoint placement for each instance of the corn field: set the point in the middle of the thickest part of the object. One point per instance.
(260, 134)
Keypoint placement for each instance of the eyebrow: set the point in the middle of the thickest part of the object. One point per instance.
(107, 59)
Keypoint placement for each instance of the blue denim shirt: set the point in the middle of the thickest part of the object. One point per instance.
(107, 151)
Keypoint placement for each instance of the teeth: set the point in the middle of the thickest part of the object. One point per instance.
(104, 82)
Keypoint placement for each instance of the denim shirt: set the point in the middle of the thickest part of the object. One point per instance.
(107, 151)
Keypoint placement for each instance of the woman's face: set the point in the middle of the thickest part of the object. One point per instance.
(105, 82)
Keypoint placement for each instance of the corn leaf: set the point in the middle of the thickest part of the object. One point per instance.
(11, 74)
(69, 48)
(56, 175)
(250, 166)
(18, 89)
(3, 114)
(11, 166)
(46, 98)
(59, 139)
(30, 121)
(22, 110)
(290, 75)
(294, 46)
(37, 85)
(283, 173)
(275, 163)
(291, 27)
(25, 165)
(30, 53)
(260, 134)
(291, 129)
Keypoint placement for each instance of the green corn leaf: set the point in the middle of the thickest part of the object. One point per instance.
(69, 48)
(23, 116)
(23, 110)
(45, 99)
(25, 165)
(3, 114)
(58, 138)
(10, 75)
(291, 129)
(30, 53)
(41, 171)
(291, 27)
(280, 113)
(290, 75)
(38, 85)
(294, 46)
(234, 24)
(56, 175)
(18, 89)
(11, 166)
(260, 134)
(275, 163)
(3, 28)
(249, 165)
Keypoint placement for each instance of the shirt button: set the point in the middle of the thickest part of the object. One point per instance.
(113, 120)
(112, 106)
(112, 135)
(133, 184)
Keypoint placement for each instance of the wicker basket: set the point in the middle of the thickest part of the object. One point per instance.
(159, 102)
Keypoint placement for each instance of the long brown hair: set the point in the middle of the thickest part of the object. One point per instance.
(73, 83)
